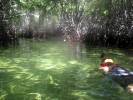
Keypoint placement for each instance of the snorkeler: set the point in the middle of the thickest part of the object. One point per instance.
(119, 74)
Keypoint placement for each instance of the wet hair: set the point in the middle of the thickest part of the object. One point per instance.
(102, 55)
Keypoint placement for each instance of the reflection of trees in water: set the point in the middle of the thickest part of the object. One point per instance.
(31, 79)
(76, 49)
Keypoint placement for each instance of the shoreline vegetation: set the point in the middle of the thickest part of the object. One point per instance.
(102, 23)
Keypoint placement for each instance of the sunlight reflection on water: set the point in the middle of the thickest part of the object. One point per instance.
(51, 70)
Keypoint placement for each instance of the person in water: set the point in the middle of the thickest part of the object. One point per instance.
(119, 74)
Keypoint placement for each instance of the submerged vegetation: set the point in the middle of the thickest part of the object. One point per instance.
(38, 70)
(58, 47)
(102, 22)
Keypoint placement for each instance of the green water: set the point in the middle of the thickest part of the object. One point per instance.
(53, 70)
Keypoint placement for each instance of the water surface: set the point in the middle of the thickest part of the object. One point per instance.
(56, 70)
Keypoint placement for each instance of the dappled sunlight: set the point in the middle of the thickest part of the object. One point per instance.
(50, 75)
(82, 95)
(3, 63)
(73, 62)
(60, 49)
(131, 58)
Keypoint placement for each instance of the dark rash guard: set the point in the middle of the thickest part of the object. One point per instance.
(121, 76)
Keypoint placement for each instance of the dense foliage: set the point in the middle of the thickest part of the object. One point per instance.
(101, 22)
(7, 33)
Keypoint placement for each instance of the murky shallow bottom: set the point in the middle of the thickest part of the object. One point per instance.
(52, 70)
